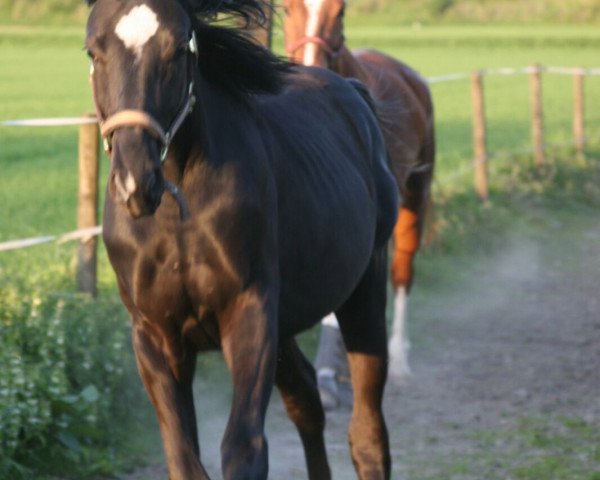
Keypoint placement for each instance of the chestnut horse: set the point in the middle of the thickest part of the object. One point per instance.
(280, 209)
(314, 35)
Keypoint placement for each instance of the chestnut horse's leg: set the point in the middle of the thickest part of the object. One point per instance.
(362, 322)
(295, 378)
(169, 387)
(248, 330)
(407, 239)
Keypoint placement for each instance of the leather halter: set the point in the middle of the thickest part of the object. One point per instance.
(140, 118)
(321, 42)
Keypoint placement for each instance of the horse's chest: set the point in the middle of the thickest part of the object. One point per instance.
(209, 285)
(180, 286)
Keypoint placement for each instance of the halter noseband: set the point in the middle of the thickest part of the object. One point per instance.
(140, 118)
(321, 42)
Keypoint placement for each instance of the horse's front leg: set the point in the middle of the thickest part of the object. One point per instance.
(297, 384)
(249, 341)
(362, 322)
(168, 381)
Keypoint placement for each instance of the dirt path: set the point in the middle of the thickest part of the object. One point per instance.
(504, 359)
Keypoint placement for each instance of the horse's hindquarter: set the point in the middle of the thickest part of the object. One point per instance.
(405, 108)
(327, 156)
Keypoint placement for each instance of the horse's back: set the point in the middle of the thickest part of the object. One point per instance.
(336, 194)
(406, 109)
(384, 65)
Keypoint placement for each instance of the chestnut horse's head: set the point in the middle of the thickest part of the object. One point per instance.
(143, 54)
(314, 30)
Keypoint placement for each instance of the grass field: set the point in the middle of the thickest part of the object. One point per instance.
(44, 74)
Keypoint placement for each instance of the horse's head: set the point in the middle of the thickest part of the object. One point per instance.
(143, 53)
(314, 30)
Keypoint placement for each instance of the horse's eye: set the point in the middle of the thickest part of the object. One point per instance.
(342, 12)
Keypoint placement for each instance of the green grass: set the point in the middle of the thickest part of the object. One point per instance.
(535, 448)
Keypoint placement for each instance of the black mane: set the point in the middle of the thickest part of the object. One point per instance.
(228, 56)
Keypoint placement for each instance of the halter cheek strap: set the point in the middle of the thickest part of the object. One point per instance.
(140, 118)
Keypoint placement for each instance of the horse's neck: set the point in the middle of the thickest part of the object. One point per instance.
(216, 115)
(186, 146)
(347, 65)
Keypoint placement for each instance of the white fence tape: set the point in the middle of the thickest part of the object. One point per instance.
(447, 78)
(589, 72)
(81, 234)
(49, 122)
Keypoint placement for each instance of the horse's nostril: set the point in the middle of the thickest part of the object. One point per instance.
(150, 183)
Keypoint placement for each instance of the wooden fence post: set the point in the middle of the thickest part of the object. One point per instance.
(537, 113)
(579, 111)
(479, 136)
(87, 205)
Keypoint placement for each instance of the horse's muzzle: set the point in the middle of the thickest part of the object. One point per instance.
(141, 198)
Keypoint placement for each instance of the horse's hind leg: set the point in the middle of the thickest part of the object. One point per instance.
(295, 378)
(407, 238)
(362, 322)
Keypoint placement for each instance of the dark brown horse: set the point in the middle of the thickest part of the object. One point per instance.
(314, 35)
(280, 208)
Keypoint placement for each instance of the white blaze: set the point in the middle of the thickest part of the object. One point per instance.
(137, 27)
(313, 8)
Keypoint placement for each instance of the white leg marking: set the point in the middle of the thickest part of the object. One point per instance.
(137, 27)
(399, 345)
(330, 321)
(310, 49)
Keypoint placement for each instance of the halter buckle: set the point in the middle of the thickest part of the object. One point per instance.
(193, 44)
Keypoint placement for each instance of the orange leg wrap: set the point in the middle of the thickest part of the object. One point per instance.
(406, 244)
